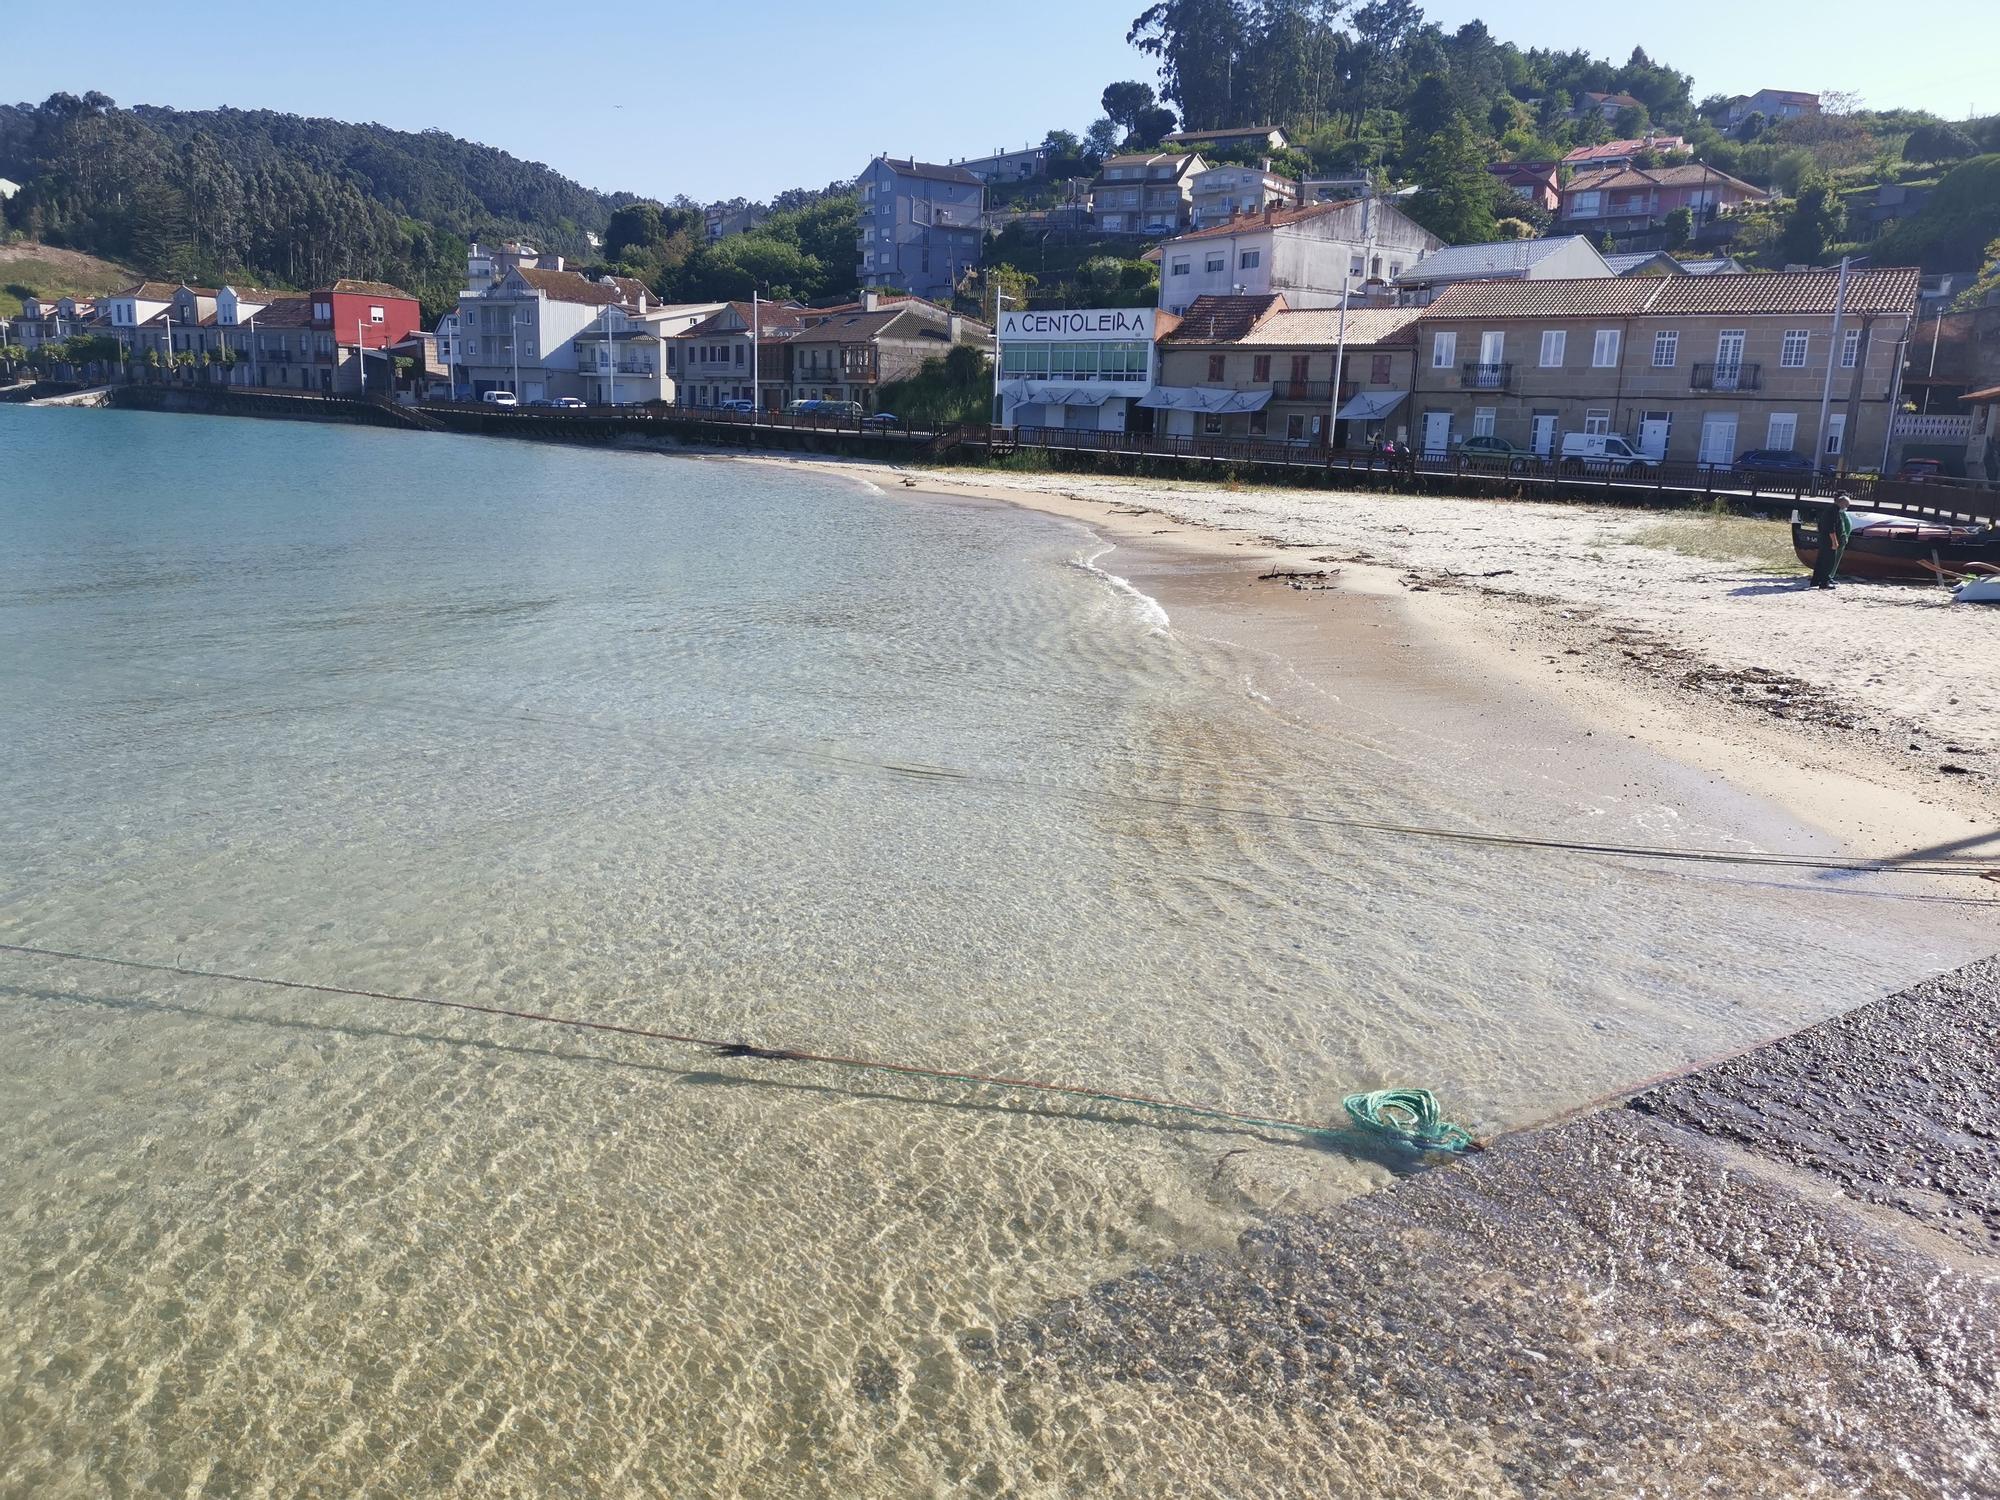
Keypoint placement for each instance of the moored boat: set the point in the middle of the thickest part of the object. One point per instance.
(1884, 546)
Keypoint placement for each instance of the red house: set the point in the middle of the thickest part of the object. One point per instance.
(363, 316)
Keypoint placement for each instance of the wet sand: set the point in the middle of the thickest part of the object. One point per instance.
(1538, 676)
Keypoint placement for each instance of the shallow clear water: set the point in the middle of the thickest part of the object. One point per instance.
(731, 752)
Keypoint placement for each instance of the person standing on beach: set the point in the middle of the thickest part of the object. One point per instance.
(1835, 527)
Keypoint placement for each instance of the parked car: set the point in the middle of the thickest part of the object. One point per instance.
(1917, 470)
(1492, 452)
(1775, 463)
(571, 403)
(1607, 448)
(882, 419)
(840, 411)
(501, 398)
(740, 404)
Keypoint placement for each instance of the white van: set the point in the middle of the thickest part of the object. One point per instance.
(1608, 448)
(501, 398)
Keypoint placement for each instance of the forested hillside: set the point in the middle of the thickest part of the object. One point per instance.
(272, 197)
(1378, 88)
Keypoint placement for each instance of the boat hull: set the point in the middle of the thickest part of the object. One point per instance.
(1904, 550)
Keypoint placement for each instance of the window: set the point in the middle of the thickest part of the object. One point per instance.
(1378, 370)
(1482, 421)
(1257, 424)
(375, 315)
(1216, 263)
(1793, 355)
(1836, 434)
(1215, 362)
(1444, 349)
(1554, 345)
(1182, 266)
(1666, 349)
(1604, 354)
(739, 356)
(1249, 260)
(1212, 423)
(1782, 431)
(1597, 423)
(1260, 367)
(1850, 348)
(1585, 205)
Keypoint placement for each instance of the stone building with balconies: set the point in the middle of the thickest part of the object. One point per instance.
(1252, 367)
(1687, 369)
(850, 353)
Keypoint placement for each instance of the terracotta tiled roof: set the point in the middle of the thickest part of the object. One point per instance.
(262, 294)
(773, 320)
(1887, 291)
(567, 286)
(1618, 150)
(849, 327)
(1687, 174)
(930, 170)
(1224, 320)
(287, 312)
(351, 288)
(630, 289)
(1278, 219)
(149, 291)
(1234, 132)
(1316, 327)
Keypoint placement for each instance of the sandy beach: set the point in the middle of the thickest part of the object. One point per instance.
(1871, 713)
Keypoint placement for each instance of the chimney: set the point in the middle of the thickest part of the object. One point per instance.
(870, 301)
(1269, 209)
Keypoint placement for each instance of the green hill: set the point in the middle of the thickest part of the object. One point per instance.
(31, 269)
(278, 198)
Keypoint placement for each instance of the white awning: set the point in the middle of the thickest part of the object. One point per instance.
(1204, 399)
(1370, 406)
(1052, 395)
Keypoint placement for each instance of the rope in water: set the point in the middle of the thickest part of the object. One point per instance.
(1410, 1115)
(1436, 1140)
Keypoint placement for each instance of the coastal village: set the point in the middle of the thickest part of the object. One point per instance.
(1315, 314)
(1172, 831)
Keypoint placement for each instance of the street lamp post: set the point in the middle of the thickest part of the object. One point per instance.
(1339, 361)
(1000, 301)
(1832, 355)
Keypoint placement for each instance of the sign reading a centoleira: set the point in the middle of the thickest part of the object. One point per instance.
(1070, 325)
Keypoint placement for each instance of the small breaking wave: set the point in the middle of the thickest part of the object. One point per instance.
(1150, 609)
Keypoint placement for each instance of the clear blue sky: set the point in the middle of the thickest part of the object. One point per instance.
(719, 100)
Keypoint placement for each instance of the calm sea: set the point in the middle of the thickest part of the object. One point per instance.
(733, 752)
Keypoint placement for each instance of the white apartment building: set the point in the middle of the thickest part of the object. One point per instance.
(1306, 254)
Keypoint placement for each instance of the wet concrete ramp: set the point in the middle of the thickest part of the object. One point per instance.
(1776, 1277)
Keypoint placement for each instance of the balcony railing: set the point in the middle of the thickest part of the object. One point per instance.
(1307, 390)
(1735, 377)
(1474, 376)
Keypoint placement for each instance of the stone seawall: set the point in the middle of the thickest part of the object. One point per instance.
(1777, 1276)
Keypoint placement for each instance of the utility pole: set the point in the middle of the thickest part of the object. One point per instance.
(1000, 301)
(1339, 360)
(1832, 358)
(756, 352)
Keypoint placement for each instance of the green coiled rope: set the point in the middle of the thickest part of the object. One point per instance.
(1407, 1115)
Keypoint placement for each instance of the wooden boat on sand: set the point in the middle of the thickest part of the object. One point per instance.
(1901, 547)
